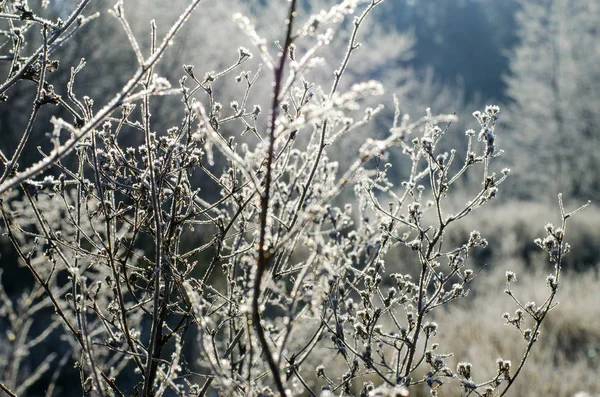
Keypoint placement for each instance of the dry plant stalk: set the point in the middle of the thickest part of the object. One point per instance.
(303, 304)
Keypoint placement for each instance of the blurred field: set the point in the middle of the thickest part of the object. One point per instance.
(566, 359)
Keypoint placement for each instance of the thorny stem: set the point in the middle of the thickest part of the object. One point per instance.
(263, 252)
(155, 345)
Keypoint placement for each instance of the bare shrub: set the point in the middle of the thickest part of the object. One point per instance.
(293, 293)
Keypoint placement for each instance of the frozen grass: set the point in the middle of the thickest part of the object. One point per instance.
(567, 363)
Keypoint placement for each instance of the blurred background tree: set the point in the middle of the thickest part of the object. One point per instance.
(554, 92)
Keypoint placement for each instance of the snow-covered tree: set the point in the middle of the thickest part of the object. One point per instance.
(555, 85)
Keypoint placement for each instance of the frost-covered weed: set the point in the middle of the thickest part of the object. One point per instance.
(293, 294)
